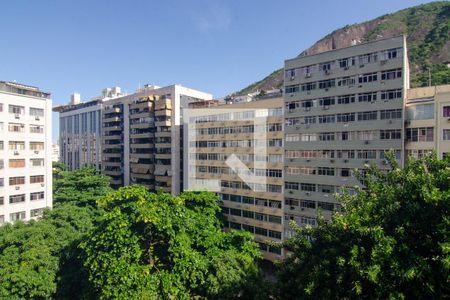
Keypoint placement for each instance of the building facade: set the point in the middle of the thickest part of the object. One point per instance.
(80, 130)
(26, 152)
(252, 195)
(427, 125)
(343, 109)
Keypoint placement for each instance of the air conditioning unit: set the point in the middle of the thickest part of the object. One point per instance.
(36, 152)
(346, 68)
(366, 142)
(346, 160)
(361, 65)
(42, 184)
(308, 193)
(383, 62)
(17, 116)
(17, 188)
(308, 75)
(327, 89)
(308, 92)
(327, 72)
(37, 118)
(325, 107)
(16, 152)
(291, 192)
(390, 122)
(308, 108)
(331, 160)
(292, 207)
(292, 78)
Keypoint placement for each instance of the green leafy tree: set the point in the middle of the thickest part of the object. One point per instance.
(151, 246)
(41, 259)
(31, 254)
(82, 187)
(391, 242)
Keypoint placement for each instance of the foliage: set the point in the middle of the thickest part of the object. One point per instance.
(31, 253)
(392, 241)
(81, 187)
(41, 259)
(157, 245)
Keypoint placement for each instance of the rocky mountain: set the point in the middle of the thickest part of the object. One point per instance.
(426, 26)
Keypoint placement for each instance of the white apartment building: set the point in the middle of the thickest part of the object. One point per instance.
(25, 152)
(101, 133)
(80, 129)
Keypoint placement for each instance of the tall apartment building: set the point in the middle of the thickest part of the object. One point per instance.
(428, 121)
(25, 152)
(343, 109)
(254, 204)
(143, 136)
(80, 129)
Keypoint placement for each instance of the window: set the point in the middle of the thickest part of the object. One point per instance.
(235, 212)
(344, 118)
(369, 77)
(326, 119)
(35, 213)
(16, 127)
(36, 146)
(17, 110)
(2, 200)
(446, 111)
(274, 219)
(391, 53)
(326, 136)
(328, 189)
(1, 145)
(260, 231)
(36, 178)
(17, 163)
(291, 185)
(308, 86)
(292, 89)
(367, 58)
(346, 62)
(2, 182)
(367, 115)
(325, 171)
(17, 198)
(326, 66)
(36, 129)
(390, 114)
(367, 154)
(308, 204)
(36, 112)
(17, 216)
(17, 180)
(326, 101)
(15, 145)
(390, 134)
(37, 162)
(37, 196)
(420, 112)
(275, 234)
(423, 134)
(346, 99)
(391, 94)
(325, 205)
(345, 172)
(346, 81)
(367, 97)
(446, 135)
(325, 84)
(309, 187)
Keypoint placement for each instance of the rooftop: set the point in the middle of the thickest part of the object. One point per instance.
(23, 89)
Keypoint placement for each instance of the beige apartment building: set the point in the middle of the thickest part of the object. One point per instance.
(427, 125)
(343, 110)
(255, 204)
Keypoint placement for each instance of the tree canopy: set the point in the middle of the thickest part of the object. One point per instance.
(157, 245)
(392, 241)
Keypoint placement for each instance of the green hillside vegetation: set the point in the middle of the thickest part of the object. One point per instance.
(426, 26)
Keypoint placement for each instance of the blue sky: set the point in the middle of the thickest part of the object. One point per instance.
(216, 46)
